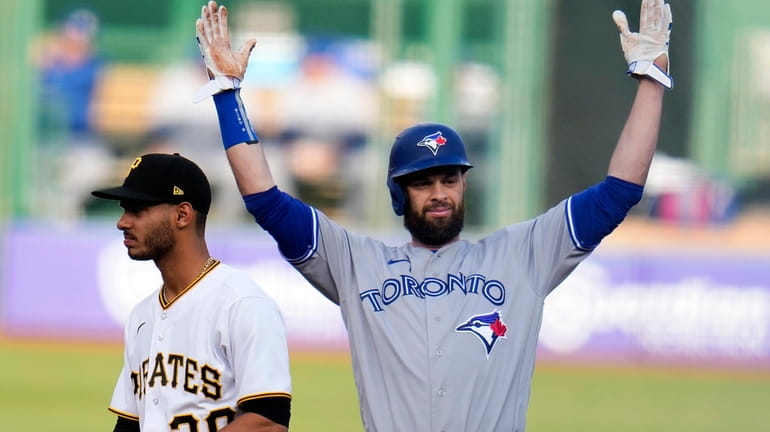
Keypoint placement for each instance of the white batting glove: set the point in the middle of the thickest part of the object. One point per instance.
(225, 66)
(643, 48)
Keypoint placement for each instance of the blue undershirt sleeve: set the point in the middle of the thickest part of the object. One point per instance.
(595, 212)
(291, 222)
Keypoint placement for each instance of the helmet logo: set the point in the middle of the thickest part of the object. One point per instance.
(433, 142)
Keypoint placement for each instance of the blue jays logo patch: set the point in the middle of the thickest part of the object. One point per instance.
(488, 328)
(433, 142)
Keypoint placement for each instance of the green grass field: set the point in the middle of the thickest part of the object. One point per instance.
(67, 386)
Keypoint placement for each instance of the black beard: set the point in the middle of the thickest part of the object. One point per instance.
(433, 233)
(159, 242)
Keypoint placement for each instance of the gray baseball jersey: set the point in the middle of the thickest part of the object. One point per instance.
(189, 363)
(445, 340)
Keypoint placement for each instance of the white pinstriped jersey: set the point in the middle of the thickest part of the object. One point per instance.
(189, 363)
(444, 341)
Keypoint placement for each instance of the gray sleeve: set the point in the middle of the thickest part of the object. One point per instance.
(331, 265)
(545, 247)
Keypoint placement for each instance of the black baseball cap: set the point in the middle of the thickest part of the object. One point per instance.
(163, 178)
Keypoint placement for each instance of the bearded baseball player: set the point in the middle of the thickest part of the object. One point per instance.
(207, 350)
(443, 332)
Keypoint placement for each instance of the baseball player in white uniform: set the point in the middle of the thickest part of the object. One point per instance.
(443, 332)
(207, 350)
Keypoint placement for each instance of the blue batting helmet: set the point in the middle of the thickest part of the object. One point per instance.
(420, 147)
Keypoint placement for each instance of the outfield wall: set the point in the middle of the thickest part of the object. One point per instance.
(619, 305)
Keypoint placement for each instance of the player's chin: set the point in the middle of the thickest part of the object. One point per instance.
(138, 255)
(132, 249)
(438, 223)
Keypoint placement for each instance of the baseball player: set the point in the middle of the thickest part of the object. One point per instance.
(207, 350)
(443, 332)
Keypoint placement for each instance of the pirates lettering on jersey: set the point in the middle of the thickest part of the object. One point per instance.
(176, 370)
(404, 286)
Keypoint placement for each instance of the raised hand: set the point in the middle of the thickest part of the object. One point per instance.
(651, 43)
(225, 67)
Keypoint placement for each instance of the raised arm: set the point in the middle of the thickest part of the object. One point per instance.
(250, 168)
(647, 56)
(290, 221)
(633, 153)
(226, 69)
(597, 211)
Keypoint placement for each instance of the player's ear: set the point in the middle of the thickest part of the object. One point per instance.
(184, 214)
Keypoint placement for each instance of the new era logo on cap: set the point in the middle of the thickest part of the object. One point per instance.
(163, 178)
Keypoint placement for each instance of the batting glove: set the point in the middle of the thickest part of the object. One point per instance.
(225, 66)
(641, 49)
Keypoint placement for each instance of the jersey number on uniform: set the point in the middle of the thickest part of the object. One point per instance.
(211, 420)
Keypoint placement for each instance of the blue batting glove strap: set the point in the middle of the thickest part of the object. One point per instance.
(234, 124)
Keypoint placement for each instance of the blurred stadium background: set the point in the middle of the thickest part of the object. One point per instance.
(536, 87)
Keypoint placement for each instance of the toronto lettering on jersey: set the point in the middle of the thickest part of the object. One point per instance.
(177, 370)
(406, 285)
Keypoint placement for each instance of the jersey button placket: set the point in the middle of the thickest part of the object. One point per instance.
(159, 345)
(433, 260)
(436, 330)
(160, 331)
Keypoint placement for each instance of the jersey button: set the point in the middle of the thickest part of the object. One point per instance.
(437, 318)
(441, 393)
(439, 353)
(163, 316)
(160, 338)
(155, 401)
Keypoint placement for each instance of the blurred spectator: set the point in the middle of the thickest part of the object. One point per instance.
(176, 124)
(70, 147)
(324, 117)
(679, 192)
(69, 72)
(481, 84)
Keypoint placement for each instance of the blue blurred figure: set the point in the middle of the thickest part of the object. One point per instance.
(70, 72)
